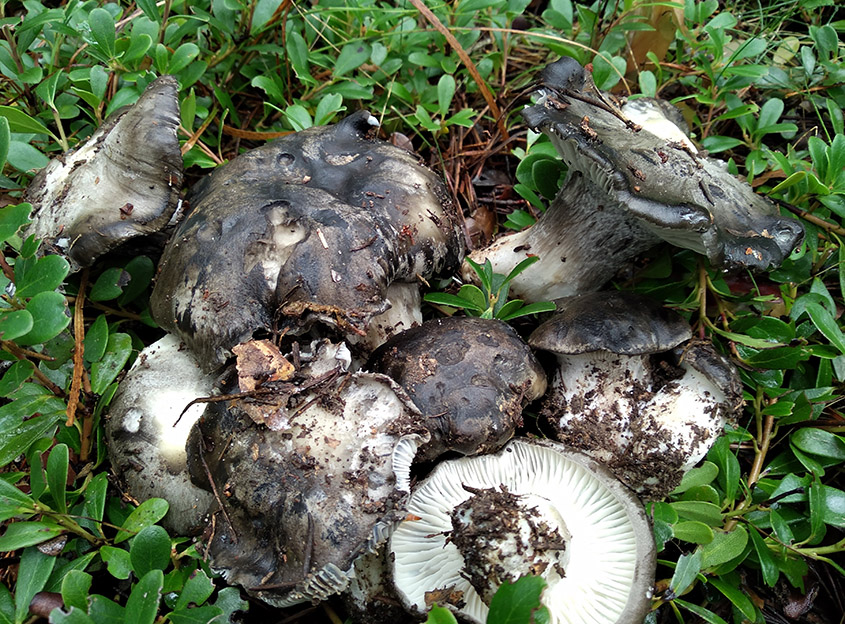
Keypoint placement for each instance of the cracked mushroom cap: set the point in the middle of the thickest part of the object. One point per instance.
(304, 499)
(632, 391)
(313, 226)
(470, 378)
(687, 200)
(121, 183)
(532, 508)
(146, 436)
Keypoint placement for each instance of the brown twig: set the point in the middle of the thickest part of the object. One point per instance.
(19, 353)
(471, 68)
(78, 350)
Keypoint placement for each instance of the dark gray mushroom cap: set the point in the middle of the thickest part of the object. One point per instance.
(121, 183)
(615, 321)
(470, 378)
(686, 200)
(314, 226)
(304, 500)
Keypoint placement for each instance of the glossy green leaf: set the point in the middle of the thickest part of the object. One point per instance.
(104, 371)
(96, 339)
(150, 550)
(452, 300)
(446, 87)
(14, 324)
(19, 438)
(736, 596)
(827, 325)
(703, 475)
(102, 30)
(707, 513)
(50, 316)
(142, 605)
(75, 616)
(819, 442)
(13, 502)
(724, 547)
(12, 218)
(686, 570)
(75, 589)
(196, 615)
(704, 614)
(105, 611)
(34, 570)
(693, 531)
(146, 514)
(196, 591)
(351, 56)
(517, 603)
(57, 469)
(766, 559)
(109, 285)
(19, 121)
(117, 561)
(23, 534)
(440, 615)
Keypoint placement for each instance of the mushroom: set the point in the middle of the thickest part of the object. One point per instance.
(470, 378)
(312, 227)
(122, 182)
(308, 487)
(532, 508)
(632, 391)
(146, 430)
(626, 190)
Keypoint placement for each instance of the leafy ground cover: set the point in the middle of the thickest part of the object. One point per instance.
(754, 534)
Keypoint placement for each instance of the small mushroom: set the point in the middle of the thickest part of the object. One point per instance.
(312, 487)
(626, 190)
(532, 508)
(469, 377)
(121, 183)
(632, 391)
(312, 227)
(146, 430)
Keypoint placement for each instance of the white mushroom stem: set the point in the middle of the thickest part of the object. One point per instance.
(404, 313)
(582, 240)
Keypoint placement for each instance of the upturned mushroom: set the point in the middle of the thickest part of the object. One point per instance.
(631, 389)
(308, 475)
(313, 227)
(626, 190)
(469, 377)
(123, 182)
(532, 508)
(146, 431)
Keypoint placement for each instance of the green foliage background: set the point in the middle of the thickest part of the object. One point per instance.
(756, 525)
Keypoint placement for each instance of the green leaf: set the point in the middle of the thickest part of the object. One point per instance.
(819, 442)
(49, 316)
(96, 339)
(351, 56)
(46, 274)
(23, 534)
(440, 615)
(33, 572)
(57, 468)
(150, 550)
(109, 285)
(703, 475)
(725, 547)
(728, 465)
(20, 122)
(693, 531)
(17, 440)
(735, 595)
(183, 55)
(105, 611)
(13, 502)
(146, 514)
(445, 92)
(229, 599)
(704, 614)
(826, 324)
(196, 590)
(12, 218)
(142, 605)
(75, 589)
(767, 561)
(686, 570)
(7, 606)
(117, 560)
(14, 324)
(452, 300)
(75, 616)
(104, 371)
(517, 603)
(198, 615)
(102, 29)
(5, 139)
(707, 513)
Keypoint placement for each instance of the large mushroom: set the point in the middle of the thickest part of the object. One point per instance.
(314, 226)
(123, 182)
(626, 190)
(309, 474)
(470, 378)
(532, 508)
(632, 391)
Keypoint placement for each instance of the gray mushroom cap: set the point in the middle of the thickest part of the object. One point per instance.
(303, 500)
(314, 226)
(469, 377)
(146, 431)
(121, 183)
(688, 201)
(614, 321)
(602, 572)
